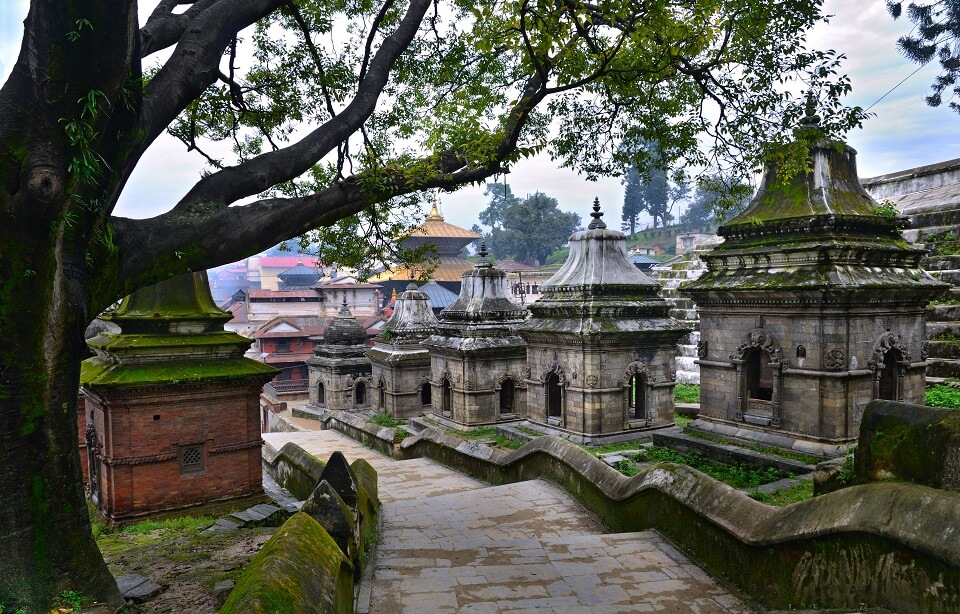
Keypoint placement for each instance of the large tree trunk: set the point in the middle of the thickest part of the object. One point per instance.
(44, 524)
(73, 52)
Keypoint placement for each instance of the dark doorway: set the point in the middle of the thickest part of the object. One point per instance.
(360, 393)
(425, 393)
(554, 401)
(507, 391)
(383, 395)
(888, 388)
(447, 397)
(759, 375)
(321, 394)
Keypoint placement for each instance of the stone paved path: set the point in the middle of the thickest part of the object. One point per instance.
(450, 543)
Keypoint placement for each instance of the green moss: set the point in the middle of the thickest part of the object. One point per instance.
(780, 498)
(385, 419)
(98, 373)
(300, 569)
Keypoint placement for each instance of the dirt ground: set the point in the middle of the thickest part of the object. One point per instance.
(186, 562)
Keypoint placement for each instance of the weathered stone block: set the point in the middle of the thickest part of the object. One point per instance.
(911, 443)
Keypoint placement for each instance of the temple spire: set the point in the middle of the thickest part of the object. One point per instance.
(596, 215)
(435, 211)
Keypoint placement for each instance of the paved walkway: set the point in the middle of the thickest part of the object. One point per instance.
(449, 543)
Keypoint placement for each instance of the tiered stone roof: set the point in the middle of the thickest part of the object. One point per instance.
(598, 290)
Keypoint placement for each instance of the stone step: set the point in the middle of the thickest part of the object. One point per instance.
(933, 218)
(928, 234)
(936, 262)
(936, 329)
(951, 277)
(938, 367)
(687, 351)
(688, 377)
(944, 349)
(943, 313)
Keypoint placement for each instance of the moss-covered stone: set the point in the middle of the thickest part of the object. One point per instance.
(300, 569)
(912, 443)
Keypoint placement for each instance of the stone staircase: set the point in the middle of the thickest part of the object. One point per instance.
(929, 197)
(670, 275)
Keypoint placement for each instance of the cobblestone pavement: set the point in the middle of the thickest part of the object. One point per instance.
(449, 543)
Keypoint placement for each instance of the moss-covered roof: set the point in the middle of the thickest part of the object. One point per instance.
(96, 372)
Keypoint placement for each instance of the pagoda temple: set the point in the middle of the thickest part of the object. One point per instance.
(401, 365)
(813, 306)
(600, 344)
(448, 240)
(173, 406)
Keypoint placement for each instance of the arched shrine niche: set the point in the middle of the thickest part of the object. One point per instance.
(759, 363)
(889, 365)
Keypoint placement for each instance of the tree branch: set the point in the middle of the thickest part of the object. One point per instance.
(164, 27)
(257, 174)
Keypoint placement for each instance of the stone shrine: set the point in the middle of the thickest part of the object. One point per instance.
(340, 369)
(173, 405)
(600, 344)
(813, 306)
(477, 359)
(400, 365)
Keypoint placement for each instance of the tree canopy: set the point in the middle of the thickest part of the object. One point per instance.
(935, 35)
(339, 114)
(714, 201)
(654, 193)
(528, 229)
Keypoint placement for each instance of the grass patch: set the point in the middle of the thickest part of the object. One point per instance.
(400, 434)
(385, 419)
(943, 396)
(627, 467)
(780, 498)
(529, 431)
(803, 458)
(150, 532)
(737, 476)
(686, 393)
(613, 447)
(681, 420)
(489, 435)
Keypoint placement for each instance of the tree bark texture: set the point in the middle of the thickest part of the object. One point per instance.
(64, 258)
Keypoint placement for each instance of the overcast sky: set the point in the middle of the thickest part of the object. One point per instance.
(904, 132)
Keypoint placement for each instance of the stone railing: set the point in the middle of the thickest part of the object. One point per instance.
(887, 545)
(314, 559)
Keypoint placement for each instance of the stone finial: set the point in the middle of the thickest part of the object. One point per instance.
(596, 215)
(484, 261)
(811, 119)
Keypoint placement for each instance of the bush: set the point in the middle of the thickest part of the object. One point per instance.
(943, 396)
(687, 393)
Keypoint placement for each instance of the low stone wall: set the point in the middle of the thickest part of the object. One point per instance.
(312, 561)
(300, 569)
(890, 545)
(293, 469)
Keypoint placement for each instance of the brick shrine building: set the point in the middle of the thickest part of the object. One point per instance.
(600, 344)
(813, 306)
(400, 365)
(477, 360)
(340, 370)
(172, 405)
